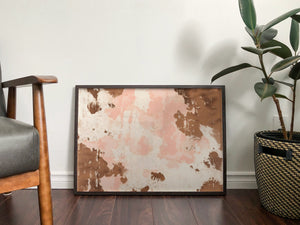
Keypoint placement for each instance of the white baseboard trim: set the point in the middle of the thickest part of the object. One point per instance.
(235, 180)
(62, 180)
(241, 180)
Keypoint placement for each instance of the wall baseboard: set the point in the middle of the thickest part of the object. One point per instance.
(62, 180)
(235, 180)
(241, 180)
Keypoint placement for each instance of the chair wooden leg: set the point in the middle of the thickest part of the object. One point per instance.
(44, 189)
(11, 102)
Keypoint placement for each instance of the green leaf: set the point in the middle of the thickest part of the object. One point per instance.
(263, 37)
(280, 18)
(259, 51)
(248, 14)
(230, 70)
(281, 96)
(265, 50)
(269, 81)
(268, 35)
(264, 90)
(251, 33)
(256, 51)
(296, 17)
(294, 35)
(283, 52)
(285, 63)
(284, 83)
(295, 72)
(272, 81)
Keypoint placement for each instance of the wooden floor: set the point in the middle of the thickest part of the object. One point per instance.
(237, 207)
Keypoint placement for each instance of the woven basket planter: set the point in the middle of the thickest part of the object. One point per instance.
(277, 169)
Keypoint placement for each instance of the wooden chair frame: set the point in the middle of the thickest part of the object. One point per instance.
(40, 177)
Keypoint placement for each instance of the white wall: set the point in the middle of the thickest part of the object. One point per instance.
(136, 42)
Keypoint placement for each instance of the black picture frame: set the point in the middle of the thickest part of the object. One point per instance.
(177, 193)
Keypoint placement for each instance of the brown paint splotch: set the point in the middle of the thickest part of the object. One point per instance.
(188, 124)
(115, 92)
(207, 164)
(215, 160)
(118, 169)
(145, 189)
(123, 180)
(84, 176)
(204, 107)
(195, 169)
(108, 133)
(211, 185)
(103, 169)
(111, 105)
(94, 92)
(157, 176)
(91, 167)
(94, 107)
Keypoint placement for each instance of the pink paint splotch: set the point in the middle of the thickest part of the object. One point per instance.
(159, 119)
(174, 146)
(122, 103)
(140, 146)
(144, 147)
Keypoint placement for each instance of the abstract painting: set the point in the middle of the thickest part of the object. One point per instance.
(150, 139)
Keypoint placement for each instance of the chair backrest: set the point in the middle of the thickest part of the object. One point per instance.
(2, 99)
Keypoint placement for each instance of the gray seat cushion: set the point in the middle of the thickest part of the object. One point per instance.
(19, 147)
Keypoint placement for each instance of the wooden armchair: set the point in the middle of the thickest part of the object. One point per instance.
(25, 174)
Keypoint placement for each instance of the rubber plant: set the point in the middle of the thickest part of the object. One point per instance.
(263, 37)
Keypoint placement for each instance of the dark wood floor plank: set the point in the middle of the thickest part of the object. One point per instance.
(21, 208)
(212, 210)
(92, 210)
(238, 207)
(2, 199)
(172, 210)
(63, 203)
(246, 206)
(132, 210)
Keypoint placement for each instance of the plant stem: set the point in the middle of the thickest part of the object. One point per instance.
(293, 110)
(276, 101)
(263, 67)
(280, 117)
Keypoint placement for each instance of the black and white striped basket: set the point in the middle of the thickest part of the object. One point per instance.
(277, 169)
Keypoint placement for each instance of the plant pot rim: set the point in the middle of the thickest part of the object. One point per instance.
(277, 135)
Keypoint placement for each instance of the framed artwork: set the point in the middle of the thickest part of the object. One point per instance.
(150, 140)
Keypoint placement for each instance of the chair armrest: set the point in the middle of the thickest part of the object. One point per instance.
(29, 80)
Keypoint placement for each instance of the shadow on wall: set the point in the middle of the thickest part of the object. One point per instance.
(189, 47)
(220, 56)
(245, 112)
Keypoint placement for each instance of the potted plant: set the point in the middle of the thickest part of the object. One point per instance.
(277, 153)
